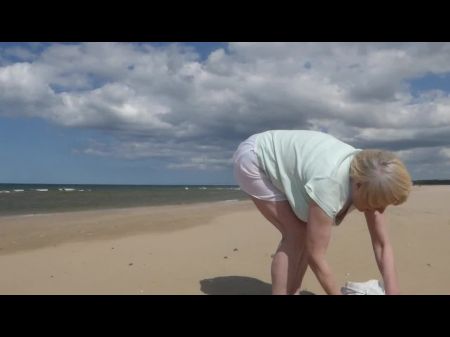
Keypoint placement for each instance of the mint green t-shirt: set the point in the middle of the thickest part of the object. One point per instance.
(307, 165)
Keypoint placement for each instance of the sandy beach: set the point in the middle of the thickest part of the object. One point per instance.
(209, 248)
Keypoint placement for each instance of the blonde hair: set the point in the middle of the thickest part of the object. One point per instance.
(384, 178)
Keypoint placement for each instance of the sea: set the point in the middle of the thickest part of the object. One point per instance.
(27, 199)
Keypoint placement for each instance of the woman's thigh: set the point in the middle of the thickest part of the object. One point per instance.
(281, 215)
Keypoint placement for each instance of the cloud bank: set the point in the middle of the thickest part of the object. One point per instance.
(167, 102)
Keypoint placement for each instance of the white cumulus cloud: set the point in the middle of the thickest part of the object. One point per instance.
(167, 102)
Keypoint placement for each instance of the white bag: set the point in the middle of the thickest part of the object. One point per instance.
(371, 287)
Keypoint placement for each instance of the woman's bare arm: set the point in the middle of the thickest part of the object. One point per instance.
(318, 236)
(384, 255)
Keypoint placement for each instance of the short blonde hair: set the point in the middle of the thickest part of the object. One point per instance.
(384, 178)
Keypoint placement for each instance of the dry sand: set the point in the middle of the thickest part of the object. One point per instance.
(212, 248)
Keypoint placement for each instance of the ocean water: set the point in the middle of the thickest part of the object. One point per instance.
(18, 199)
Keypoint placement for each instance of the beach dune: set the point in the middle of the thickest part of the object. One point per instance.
(210, 248)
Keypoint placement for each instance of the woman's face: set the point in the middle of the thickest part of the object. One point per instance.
(358, 202)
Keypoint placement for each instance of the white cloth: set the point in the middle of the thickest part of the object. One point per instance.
(371, 287)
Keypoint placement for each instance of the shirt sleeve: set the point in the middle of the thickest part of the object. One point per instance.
(325, 191)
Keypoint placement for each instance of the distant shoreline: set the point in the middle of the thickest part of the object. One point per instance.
(415, 182)
(122, 185)
(431, 182)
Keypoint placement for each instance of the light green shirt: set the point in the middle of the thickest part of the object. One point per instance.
(307, 165)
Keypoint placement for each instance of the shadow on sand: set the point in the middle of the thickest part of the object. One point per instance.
(238, 285)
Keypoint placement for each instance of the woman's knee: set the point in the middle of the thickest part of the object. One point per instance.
(295, 237)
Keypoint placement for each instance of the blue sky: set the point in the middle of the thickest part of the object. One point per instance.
(36, 151)
(173, 113)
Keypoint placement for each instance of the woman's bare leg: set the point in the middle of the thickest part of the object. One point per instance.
(287, 259)
(301, 270)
